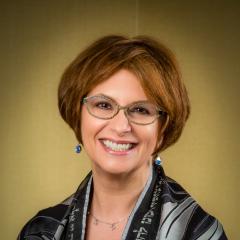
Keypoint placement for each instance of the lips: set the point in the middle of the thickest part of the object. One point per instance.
(118, 146)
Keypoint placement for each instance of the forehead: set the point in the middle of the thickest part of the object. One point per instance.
(123, 86)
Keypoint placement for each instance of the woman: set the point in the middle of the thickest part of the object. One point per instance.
(125, 101)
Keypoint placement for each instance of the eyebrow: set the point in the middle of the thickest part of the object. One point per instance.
(104, 96)
(110, 98)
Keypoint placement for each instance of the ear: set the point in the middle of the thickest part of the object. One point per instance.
(165, 124)
(159, 143)
(162, 132)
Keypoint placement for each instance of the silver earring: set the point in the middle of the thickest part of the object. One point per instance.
(158, 161)
(78, 148)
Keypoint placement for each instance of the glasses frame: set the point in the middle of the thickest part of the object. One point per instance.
(160, 111)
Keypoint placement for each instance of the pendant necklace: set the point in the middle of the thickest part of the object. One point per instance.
(112, 225)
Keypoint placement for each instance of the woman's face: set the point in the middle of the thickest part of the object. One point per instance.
(102, 138)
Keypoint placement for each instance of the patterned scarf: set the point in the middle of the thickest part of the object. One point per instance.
(164, 210)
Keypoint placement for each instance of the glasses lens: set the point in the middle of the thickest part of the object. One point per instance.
(142, 113)
(101, 107)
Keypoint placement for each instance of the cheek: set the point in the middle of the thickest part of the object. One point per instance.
(90, 126)
(149, 134)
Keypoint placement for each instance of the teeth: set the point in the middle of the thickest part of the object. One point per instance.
(117, 147)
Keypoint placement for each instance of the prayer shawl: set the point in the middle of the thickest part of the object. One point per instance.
(163, 211)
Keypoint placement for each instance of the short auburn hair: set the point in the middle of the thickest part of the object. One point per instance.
(153, 64)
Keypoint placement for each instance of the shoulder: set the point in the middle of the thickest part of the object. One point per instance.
(46, 222)
(50, 223)
(182, 211)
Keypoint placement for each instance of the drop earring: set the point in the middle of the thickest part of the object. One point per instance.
(78, 148)
(158, 160)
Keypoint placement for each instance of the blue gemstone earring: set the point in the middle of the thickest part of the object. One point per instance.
(78, 148)
(158, 161)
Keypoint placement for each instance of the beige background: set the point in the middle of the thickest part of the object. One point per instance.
(39, 38)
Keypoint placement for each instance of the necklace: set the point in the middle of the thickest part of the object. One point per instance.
(112, 225)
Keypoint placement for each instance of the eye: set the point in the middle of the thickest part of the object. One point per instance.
(140, 110)
(104, 105)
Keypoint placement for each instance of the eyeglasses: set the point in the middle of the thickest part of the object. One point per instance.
(141, 113)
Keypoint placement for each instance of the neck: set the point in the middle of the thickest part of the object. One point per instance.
(115, 196)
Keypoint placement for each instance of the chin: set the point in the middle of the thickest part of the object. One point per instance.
(119, 166)
(115, 168)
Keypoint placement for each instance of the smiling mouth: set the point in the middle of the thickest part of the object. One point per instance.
(118, 147)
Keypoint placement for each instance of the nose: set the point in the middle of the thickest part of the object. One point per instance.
(120, 123)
